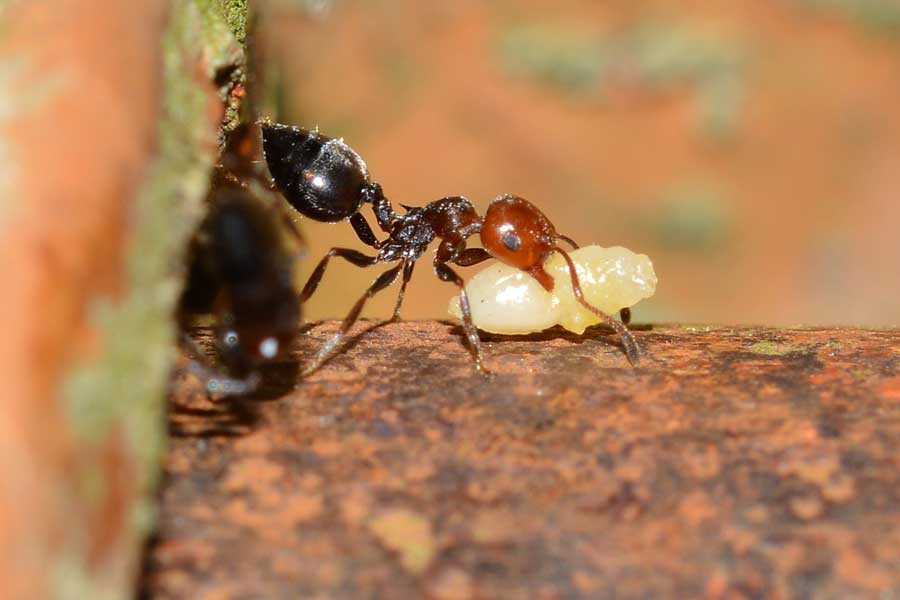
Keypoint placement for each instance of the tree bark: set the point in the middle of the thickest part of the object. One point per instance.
(110, 124)
(734, 462)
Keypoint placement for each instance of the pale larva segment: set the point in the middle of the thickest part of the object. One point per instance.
(506, 300)
(611, 278)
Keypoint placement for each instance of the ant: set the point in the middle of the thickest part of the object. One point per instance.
(240, 271)
(326, 180)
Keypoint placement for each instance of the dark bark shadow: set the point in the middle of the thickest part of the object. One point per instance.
(598, 332)
(192, 412)
(554, 333)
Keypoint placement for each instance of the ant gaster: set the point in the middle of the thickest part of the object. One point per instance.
(326, 180)
(240, 270)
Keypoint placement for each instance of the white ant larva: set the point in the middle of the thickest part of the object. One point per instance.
(507, 300)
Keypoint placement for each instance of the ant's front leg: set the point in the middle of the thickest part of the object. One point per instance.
(449, 252)
(632, 350)
(625, 313)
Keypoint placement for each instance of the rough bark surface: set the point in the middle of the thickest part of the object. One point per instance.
(108, 128)
(734, 462)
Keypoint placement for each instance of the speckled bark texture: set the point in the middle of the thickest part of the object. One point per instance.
(733, 463)
(108, 127)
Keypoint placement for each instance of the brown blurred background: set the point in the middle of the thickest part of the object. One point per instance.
(751, 148)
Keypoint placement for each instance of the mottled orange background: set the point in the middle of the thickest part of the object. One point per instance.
(751, 148)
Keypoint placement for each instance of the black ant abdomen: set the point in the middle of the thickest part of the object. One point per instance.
(323, 178)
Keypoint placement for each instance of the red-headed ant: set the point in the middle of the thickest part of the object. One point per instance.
(326, 180)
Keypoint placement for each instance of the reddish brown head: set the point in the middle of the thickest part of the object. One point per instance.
(517, 233)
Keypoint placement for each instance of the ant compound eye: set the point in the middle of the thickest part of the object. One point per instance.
(231, 339)
(512, 241)
(268, 348)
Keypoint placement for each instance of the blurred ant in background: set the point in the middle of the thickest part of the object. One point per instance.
(326, 180)
(240, 270)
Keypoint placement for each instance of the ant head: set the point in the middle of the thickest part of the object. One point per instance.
(517, 233)
(321, 177)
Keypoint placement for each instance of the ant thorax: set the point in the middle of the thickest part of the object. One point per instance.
(507, 300)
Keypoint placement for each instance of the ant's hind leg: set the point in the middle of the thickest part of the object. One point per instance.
(352, 256)
(447, 274)
(407, 274)
(327, 351)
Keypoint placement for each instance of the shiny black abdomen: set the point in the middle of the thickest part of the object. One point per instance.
(321, 177)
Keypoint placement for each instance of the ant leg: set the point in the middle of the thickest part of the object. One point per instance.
(407, 274)
(447, 274)
(631, 348)
(471, 256)
(352, 256)
(326, 352)
(363, 231)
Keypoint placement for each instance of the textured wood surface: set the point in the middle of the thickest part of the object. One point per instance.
(735, 462)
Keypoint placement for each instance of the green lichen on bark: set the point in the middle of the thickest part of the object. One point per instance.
(223, 32)
(880, 16)
(124, 389)
(770, 348)
(236, 13)
(663, 56)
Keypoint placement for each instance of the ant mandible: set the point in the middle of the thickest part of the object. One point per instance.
(326, 180)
